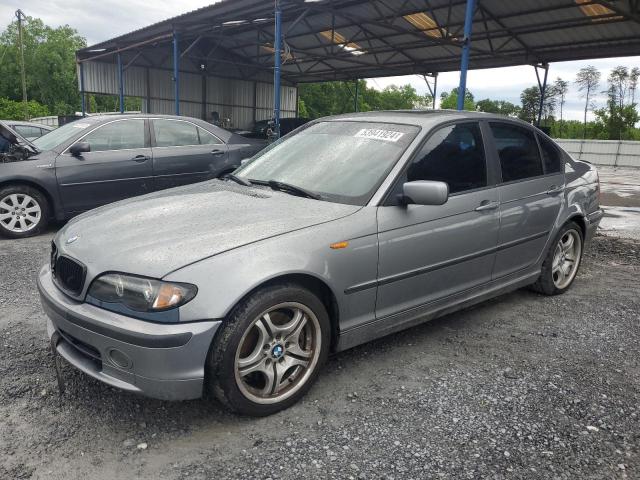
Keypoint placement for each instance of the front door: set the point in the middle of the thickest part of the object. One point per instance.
(531, 195)
(184, 153)
(430, 252)
(117, 167)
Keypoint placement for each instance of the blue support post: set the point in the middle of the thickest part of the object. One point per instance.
(176, 72)
(120, 83)
(277, 45)
(84, 105)
(464, 63)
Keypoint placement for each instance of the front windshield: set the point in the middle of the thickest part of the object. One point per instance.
(60, 135)
(341, 161)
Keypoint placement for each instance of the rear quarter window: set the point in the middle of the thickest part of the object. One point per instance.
(551, 156)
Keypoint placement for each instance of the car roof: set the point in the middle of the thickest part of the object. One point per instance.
(422, 118)
(115, 116)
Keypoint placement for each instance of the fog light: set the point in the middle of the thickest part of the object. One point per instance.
(119, 359)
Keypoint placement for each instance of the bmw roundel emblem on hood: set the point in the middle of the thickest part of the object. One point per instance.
(70, 240)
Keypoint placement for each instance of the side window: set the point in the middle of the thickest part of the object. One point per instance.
(27, 131)
(174, 133)
(518, 152)
(551, 156)
(119, 135)
(208, 138)
(455, 155)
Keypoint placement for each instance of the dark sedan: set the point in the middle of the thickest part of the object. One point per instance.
(102, 159)
(261, 127)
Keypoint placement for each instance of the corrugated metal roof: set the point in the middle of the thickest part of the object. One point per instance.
(232, 37)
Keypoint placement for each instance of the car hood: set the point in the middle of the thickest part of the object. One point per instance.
(158, 233)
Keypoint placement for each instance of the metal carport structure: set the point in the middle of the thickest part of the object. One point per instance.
(322, 40)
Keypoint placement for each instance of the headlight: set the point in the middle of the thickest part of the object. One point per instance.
(141, 294)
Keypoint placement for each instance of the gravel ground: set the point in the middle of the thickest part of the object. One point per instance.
(523, 386)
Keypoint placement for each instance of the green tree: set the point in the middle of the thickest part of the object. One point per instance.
(50, 66)
(332, 98)
(560, 89)
(530, 98)
(501, 107)
(634, 75)
(449, 100)
(587, 79)
(619, 116)
(14, 110)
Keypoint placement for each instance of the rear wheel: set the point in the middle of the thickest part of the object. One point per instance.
(270, 350)
(560, 267)
(24, 211)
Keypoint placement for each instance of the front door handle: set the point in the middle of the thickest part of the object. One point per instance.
(554, 190)
(217, 153)
(140, 158)
(487, 205)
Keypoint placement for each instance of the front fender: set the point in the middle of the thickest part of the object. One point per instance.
(225, 279)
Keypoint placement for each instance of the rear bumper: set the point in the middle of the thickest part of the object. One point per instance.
(591, 223)
(163, 361)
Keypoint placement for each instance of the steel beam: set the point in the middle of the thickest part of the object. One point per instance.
(82, 96)
(543, 88)
(176, 71)
(120, 83)
(277, 65)
(466, 46)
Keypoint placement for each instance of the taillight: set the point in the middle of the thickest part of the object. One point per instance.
(598, 192)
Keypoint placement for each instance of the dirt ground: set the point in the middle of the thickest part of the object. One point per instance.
(523, 386)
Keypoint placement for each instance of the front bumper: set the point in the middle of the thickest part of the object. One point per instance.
(163, 361)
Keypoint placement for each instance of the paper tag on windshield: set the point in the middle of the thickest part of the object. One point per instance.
(80, 125)
(378, 134)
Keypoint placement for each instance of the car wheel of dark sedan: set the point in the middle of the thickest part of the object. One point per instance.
(270, 350)
(562, 262)
(24, 211)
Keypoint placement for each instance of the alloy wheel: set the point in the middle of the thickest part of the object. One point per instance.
(278, 353)
(566, 259)
(19, 213)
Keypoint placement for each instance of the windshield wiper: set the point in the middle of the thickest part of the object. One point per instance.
(288, 188)
(237, 179)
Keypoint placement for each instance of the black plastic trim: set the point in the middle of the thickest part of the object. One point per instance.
(439, 266)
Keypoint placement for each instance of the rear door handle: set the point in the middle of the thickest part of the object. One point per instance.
(487, 205)
(217, 153)
(140, 158)
(554, 190)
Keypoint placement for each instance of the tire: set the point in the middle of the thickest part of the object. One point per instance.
(24, 211)
(560, 266)
(244, 375)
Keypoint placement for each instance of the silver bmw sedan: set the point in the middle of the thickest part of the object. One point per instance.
(348, 229)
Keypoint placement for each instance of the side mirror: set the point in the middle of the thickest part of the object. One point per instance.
(425, 192)
(77, 149)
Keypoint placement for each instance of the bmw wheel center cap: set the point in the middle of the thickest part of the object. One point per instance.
(277, 351)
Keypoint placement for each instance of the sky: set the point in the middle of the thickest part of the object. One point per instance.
(98, 21)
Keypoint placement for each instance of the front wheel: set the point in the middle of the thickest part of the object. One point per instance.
(561, 265)
(270, 350)
(24, 211)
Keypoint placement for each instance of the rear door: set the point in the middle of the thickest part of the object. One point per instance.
(531, 194)
(117, 167)
(185, 153)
